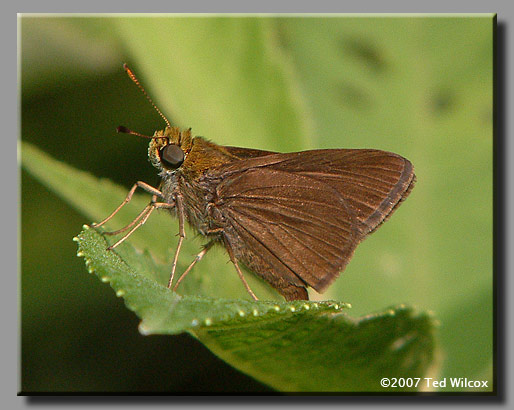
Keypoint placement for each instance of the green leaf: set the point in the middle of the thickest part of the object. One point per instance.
(185, 67)
(292, 346)
(73, 48)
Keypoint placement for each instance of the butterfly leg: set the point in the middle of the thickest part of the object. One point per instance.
(182, 234)
(140, 184)
(238, 269)
(136, 219)
(198, 258)
(142, 217)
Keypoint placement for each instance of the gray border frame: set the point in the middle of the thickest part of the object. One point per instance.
(504, 150)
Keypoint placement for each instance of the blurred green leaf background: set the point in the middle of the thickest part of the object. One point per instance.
(418, 86)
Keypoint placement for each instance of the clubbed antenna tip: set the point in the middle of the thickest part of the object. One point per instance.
(125, 130)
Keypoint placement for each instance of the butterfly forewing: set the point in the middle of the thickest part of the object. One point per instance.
(372, 182)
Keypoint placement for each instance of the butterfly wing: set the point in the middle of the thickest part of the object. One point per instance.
(295, 229)
(295, 219)
(372, 182)
(245, 153)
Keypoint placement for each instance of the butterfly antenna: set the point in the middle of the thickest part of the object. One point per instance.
(134, 78)
(125, 130)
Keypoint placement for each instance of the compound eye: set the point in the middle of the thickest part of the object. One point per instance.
(172, 156)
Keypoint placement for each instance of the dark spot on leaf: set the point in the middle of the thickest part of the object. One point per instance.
(353, 96)
(282, 34)
(442, 101)
(366, 51)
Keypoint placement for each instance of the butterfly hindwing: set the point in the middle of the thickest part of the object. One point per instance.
(300, 226)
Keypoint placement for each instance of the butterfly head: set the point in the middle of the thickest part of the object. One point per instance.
(168, 148)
